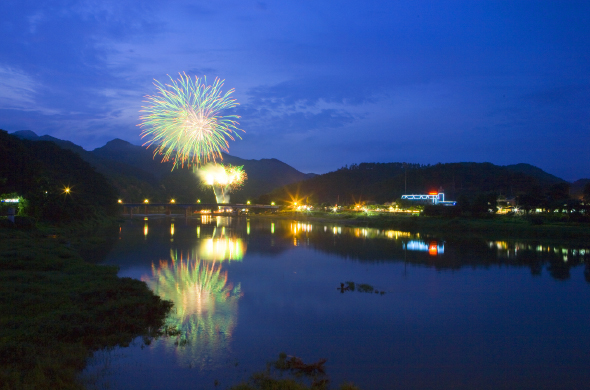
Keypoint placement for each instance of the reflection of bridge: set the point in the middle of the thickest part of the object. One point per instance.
(189, 207)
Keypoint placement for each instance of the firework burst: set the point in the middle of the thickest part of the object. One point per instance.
(223, 179)
(184, 121)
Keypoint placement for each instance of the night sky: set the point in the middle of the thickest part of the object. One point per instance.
(321, 84)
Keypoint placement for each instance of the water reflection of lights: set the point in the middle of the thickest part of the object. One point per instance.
(145, 230)
(205, 308)
(220, 249)
(415, 244)
(433, 247)
(223, 221)
(510, 250)
(272, 228)
(301, 227)
(394, 234)
(205, 219)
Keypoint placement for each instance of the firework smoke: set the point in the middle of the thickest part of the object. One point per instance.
(223, 179)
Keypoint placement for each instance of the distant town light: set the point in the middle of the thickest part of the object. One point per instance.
(13, 200)
(67, 190)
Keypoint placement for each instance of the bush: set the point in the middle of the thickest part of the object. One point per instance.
(441, 211)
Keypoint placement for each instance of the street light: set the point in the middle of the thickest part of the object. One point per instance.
(146, 201)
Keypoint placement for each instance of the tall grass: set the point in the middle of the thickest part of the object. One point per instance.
(55, 309)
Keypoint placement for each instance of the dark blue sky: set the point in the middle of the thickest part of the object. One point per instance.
(321, 83)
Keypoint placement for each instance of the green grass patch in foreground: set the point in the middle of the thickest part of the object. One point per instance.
(55, 309)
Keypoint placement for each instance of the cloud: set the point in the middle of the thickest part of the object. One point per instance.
(16, 88)
(297, 122)
(309, 92)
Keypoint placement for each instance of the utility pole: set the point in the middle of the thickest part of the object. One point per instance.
(405, 178)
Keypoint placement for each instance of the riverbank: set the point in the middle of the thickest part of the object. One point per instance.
(496, 227)
(56, 308)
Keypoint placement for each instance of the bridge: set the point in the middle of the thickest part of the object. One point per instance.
(188, 207)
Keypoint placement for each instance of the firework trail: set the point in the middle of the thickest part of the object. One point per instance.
(184, 121)
(223, 178)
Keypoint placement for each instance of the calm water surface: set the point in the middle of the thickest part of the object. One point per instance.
(448, 314)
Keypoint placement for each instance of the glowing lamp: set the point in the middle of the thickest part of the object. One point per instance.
(67, 190)
(433, 193)
(272, 203)
(119, 201)
(248, 202)
(172, 201)
(198, 200)
(146, 201)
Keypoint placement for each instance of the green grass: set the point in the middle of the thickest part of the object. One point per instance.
(55, 309)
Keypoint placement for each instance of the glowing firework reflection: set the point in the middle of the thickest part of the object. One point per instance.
(205, 308)
(220, 249)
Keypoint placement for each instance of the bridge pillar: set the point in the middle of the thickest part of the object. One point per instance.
(145, 210)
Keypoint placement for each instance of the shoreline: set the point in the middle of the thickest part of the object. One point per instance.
(505, 228)
(57, 307)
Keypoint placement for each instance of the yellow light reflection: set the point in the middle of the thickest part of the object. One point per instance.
(172, 229)
(221, 249)
(272, 228)
(145, 229)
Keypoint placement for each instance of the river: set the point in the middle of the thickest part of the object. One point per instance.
(424, 313)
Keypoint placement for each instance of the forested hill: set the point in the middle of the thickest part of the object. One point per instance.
(137, 175)
(386, 182)
(41, 171)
